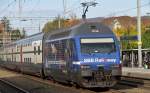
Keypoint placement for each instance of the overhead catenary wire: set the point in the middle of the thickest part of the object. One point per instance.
(33, 8)
(70, 9)
(115, 13)
(4, 9)
(74, 4)
(11, 3)
(73, 9)
(127, 10)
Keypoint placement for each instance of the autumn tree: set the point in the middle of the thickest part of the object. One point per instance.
(53, 25)
(128, 31)
(132, 44)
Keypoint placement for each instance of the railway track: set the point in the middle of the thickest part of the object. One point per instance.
(134, 81)
(126, 82)
(6, 87)
(39, 85)
(54, 87)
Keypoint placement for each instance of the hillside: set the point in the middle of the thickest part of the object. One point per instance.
(125, 21)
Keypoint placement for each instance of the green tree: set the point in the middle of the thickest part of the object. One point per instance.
(146, 39)
(15, 34)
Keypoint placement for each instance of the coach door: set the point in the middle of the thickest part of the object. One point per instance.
(35, 54)
(36, 45)
(69, 57)
(21, 60)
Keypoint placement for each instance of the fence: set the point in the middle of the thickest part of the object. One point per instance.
(130, 58)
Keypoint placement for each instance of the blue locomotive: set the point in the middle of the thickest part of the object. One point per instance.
(87, 55)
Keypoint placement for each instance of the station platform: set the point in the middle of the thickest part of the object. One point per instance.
(136, 72)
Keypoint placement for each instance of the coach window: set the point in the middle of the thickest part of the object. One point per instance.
(34, 50)
(17, 48)
(29, 60)
(38, 50)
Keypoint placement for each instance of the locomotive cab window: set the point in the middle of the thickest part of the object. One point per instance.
(60, 50)
(97, 45)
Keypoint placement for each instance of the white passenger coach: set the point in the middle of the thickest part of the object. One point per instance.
(23, 55)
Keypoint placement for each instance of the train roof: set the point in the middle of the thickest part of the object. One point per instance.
(28, 39)
(85, 28)
(34, 37)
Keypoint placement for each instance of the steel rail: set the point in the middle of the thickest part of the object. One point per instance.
(14, 86)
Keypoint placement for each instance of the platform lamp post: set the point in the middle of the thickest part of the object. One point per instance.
(139, 33)
(85, 6)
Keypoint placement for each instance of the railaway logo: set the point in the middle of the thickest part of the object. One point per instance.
(99, 60)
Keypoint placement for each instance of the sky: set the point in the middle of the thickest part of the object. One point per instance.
(49, 9)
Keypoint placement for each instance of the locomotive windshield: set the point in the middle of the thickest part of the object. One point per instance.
(97, 45)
